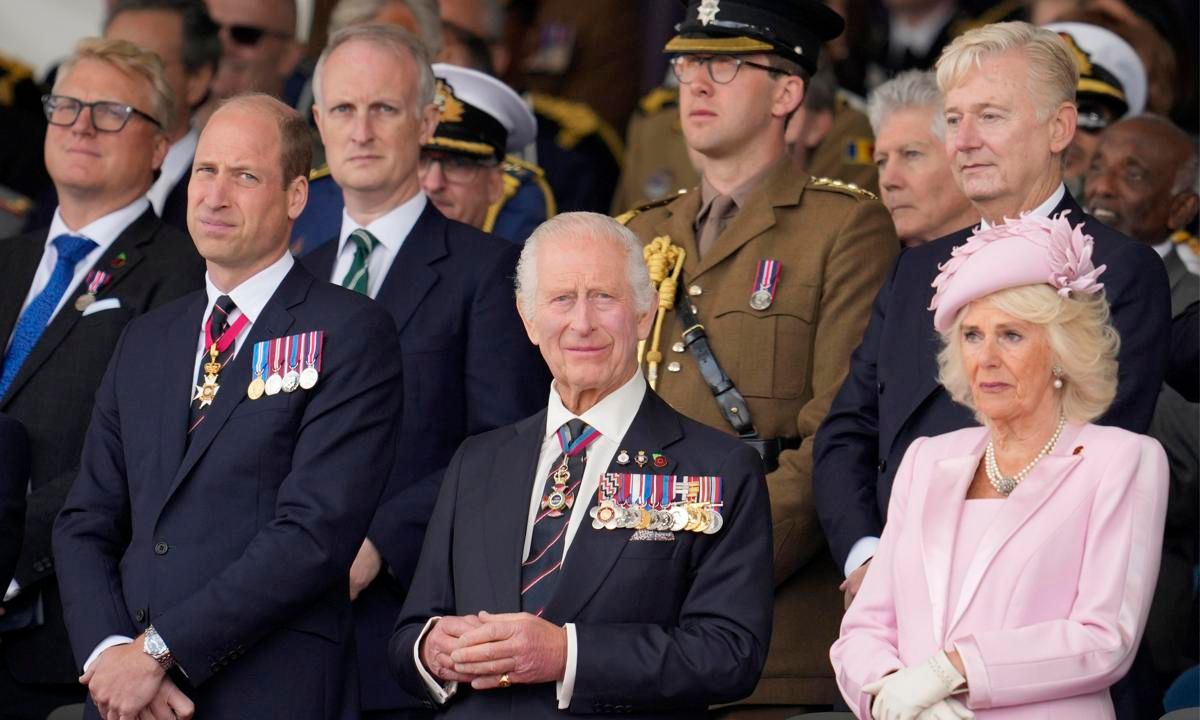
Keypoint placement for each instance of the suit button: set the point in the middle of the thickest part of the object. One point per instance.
(883, 466)
(678, 347)
(161, 548)
(695, 290)
(881, 388)
(673, 367)
(140, 615)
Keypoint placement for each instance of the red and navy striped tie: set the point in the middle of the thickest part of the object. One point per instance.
(540, 571)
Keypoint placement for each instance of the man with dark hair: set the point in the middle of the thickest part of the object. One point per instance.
(259, 52)
(217, 562)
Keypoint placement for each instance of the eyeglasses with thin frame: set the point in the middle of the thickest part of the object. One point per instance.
(722, 69)
(107, 116)
(457, 169)
(250, 35)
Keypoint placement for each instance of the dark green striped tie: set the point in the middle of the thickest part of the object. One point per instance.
(356, 277)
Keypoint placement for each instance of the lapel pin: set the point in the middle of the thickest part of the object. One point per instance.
(641, 458)
(623, 457)
(119, 260)
(660, 460)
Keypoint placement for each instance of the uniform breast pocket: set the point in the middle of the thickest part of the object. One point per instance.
(768, 352)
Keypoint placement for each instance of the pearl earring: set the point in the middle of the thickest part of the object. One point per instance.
(1058, 375)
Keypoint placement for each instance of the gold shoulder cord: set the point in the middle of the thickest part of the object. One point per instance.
(665, 263)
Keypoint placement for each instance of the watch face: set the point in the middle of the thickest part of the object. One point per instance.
(154, 644)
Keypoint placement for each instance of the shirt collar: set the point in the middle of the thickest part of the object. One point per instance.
(254, 292)
(1042, 210)
(390, 229)
(104, 230)
(612, 416)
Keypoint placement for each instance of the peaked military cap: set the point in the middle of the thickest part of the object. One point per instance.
(479, 115)
(1111, 75)
(792, 29)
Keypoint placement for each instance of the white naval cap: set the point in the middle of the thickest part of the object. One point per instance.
(494, 98)
(1112, 53)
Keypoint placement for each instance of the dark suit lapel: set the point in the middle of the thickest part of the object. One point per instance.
(275, 321)
(593, 553)
(19, 263)
(410, 277)
(507, 509)
(119, 260)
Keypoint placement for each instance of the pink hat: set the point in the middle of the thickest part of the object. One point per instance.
(1027, 251)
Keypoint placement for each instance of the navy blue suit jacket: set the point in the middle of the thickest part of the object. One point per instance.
(14, 478)
(664, 628)
(468, 367)
(891, 395)
(236, 543)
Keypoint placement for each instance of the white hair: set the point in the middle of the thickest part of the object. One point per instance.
(595, 227)
(915, 89)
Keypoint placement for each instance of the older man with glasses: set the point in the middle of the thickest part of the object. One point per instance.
(66, 294)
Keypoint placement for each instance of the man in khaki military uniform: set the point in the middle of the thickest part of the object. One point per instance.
(781, 268)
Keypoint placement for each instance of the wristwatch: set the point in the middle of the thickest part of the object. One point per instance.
(155, 647)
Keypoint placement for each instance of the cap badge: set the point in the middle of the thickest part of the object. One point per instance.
(708, 11)
(450, 108)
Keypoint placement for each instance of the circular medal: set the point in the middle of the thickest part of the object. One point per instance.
(256, 389)
(644, 518)
(83, 301)
(308, 378)
(274, 384)
(693, 519)
(664, 521)
(679, 518)
(716, 522)
(761, 300)
(701, 520)
(291, 381)
(556, 500)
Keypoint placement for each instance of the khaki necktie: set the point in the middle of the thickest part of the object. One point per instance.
(719, 212)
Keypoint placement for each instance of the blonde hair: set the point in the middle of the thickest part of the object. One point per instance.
(1082, 343)
(1053, 72)
(130, 60)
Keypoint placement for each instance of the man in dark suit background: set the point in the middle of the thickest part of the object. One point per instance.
(1006, 147)
(14, 478)
(530, 598)
(467, 365)
(67, 293)
(206, 549)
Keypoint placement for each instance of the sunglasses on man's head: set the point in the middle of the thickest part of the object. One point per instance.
(249, 35)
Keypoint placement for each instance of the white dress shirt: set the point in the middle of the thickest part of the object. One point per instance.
(176, 164)
(390, 229)
(103, 231)
(250, 297)
(864, 548)
(612, 417)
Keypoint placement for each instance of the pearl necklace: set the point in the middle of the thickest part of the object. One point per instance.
(1005, 485)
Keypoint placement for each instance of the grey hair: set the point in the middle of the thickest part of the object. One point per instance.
(361, 12)
(386, 37)
(910, 89)
(592, 226)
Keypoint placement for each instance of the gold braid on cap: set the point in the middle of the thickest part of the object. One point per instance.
(665, 263)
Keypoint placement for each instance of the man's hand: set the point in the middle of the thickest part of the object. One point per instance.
(366, 566)
(170, 703)
(442, 640)
(853, 582)
(525, 647)
(123, 681)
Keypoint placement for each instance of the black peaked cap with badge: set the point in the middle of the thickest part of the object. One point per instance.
(792, 29)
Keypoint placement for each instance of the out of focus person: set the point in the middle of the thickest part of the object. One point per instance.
(259, 48)
(758, 336)
(915, 180)
(898, 35)
(827, 137)
(467, 365)
(14, 479)
(1009, 96)
(1112, 85)
(67, 293)
(22, 133)
(419, 17)
(472, 26)
(1016, 570)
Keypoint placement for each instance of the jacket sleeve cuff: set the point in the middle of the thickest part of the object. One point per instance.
(440, 693)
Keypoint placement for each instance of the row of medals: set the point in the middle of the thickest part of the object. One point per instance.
(692, 517)
(288, 382)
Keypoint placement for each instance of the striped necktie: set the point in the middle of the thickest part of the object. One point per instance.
(71, 249)
(357, 276)
(541, 570)
(216, 329)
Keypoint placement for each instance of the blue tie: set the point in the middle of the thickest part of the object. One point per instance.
(71, 249)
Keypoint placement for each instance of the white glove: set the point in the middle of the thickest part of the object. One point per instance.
(948, 709)
(904, 694)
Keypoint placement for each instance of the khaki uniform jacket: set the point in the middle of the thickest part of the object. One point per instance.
(835, 245)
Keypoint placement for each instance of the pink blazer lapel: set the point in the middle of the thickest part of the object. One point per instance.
(941, 509)
(1034, 492)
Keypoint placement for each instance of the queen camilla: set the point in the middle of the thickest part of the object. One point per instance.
(1016, 568)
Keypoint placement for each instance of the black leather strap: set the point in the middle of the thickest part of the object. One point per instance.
(729, 399)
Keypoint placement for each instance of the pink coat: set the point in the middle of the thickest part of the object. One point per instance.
(1055, 599)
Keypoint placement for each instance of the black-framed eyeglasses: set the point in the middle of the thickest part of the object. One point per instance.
(722, 69)
(63, 110)
(457, 169)
(250, 35)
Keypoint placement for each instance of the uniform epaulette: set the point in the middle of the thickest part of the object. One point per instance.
(12, 72)
(514, 167)
(625, 217)
(657, 99)
(576, 121)
(825, 183)
(318, 173)
(517, 163)
(1183, 237)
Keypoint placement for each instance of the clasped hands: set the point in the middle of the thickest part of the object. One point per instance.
(127, 684)
(479, 649)
(920, 692)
